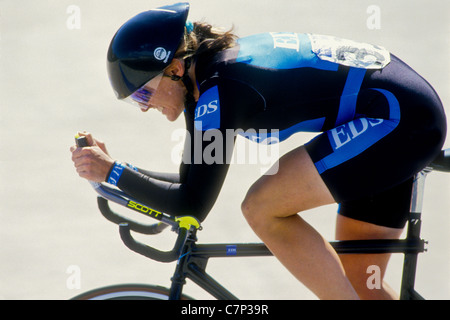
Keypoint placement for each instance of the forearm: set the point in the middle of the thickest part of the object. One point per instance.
(162, 176)
(168, 197)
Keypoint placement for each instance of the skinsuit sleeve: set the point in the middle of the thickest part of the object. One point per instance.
(206, 158)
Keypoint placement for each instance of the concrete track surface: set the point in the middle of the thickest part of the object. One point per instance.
(53, 242)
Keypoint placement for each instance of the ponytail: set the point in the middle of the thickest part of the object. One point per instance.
(203, 38)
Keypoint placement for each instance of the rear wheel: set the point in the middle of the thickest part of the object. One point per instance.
(128, 292)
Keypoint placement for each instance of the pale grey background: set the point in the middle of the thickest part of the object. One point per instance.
(53, 82)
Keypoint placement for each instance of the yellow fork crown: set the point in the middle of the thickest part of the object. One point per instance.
(187, 222)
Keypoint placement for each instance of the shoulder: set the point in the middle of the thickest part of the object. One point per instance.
(224, 102)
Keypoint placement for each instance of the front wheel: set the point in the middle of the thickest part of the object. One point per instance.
(128, 292)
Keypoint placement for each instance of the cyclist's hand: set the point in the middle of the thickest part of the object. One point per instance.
(92, 163)
(93, 142)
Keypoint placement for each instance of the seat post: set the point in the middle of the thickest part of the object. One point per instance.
(418, 193)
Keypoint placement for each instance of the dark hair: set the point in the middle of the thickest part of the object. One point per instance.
(205, 39)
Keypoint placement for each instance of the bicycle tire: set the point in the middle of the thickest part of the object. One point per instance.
(128, 292)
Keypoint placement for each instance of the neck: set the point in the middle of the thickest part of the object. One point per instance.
(191, 73)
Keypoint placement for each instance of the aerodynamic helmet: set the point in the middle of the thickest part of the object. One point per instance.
(144, 46)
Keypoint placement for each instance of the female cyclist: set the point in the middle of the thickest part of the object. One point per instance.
(378, 123)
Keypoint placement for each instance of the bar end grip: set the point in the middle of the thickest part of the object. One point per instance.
(81, 141)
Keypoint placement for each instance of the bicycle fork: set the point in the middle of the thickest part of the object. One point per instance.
(179, 276)
(193, 266)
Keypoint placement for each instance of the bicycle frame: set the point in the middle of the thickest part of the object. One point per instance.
(193, 258)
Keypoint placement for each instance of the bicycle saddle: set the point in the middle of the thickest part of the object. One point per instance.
(442, 161)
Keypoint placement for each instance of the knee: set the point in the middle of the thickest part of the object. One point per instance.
(252, 208)
(247, 207)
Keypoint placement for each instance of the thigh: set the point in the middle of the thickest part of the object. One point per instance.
(296, 186)
(370, 170)
(390, 208)
(357, 266)
(352, 229)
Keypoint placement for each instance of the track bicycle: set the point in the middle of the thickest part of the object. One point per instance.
(192, 257)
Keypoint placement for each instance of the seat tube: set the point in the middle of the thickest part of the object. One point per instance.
(407, 291)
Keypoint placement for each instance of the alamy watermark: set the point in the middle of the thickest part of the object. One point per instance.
(73, 281)
(219, 147)
(373, 21)
(374, 280)
(73, 21)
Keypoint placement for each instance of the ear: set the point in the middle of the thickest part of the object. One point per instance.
(176, 68)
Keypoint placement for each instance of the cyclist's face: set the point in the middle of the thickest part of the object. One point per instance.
(170, 95)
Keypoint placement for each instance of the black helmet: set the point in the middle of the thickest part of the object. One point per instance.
(144, 46)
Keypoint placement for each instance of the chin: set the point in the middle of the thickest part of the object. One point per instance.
(172, 117)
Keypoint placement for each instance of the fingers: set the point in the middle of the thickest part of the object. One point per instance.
(94, 142)
(102, 146)
(81, 159)
(91, 163)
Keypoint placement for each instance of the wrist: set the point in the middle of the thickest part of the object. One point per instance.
(116, 170)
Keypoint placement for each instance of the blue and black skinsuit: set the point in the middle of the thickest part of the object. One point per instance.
(378, 123)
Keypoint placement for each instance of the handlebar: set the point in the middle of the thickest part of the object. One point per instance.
(182, 225)
(116, 218)
(150, 252)
(126, 225)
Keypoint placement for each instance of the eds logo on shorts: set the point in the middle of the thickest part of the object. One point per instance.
(350, 131)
